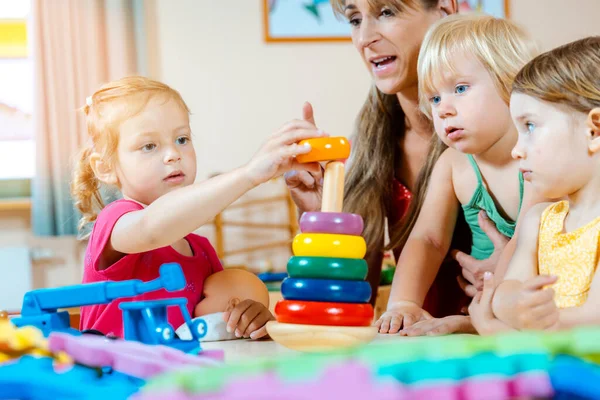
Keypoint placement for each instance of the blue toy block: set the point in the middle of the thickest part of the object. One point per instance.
(326, 290)
(574, 378)
(32, 378)
(40, 306)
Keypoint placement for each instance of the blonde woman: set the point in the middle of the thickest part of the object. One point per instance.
(391, 160)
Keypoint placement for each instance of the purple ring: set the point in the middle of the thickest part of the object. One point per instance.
(331, 222)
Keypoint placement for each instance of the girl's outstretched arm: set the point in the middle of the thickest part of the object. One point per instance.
(180, 212)
(424, 250)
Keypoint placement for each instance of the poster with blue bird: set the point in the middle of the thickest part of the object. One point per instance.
(303, 21)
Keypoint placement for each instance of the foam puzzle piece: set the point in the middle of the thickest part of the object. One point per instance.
(575, 378)
(532, 350)
(34, 378)
(353, 380)
(216, 329)
(129, 357)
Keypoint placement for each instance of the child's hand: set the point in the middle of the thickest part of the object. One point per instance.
(401, 315)
(440, 326)
(536, 308)
(278, 154)
(248, 319)
(482, 317)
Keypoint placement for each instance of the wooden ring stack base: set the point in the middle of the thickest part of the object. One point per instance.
(325, 302)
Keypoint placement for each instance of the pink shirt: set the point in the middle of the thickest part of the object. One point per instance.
(107, 318)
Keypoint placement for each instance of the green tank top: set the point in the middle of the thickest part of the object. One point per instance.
(482, 246)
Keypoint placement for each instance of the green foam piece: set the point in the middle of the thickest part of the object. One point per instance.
(418, 354)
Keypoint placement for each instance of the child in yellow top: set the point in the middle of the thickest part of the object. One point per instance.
(551, 282)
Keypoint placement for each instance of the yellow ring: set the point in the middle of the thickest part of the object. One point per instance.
(329, 245)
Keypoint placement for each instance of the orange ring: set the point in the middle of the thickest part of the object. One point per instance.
(325, 149)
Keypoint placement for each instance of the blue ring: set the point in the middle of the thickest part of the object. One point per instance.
(329, 290)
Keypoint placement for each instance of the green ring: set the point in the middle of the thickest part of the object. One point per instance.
(350, 269)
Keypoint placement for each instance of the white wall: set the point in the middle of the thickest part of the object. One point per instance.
(556, 22)
(240, 88)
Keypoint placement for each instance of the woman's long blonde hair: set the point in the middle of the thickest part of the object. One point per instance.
(104, 111)
(568, 75)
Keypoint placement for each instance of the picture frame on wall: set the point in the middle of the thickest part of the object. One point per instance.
(497, 8)
(314, 20)
(303, 21)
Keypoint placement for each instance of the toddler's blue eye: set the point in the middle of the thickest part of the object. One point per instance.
(435, 100)
(460, 89)
(530, 126)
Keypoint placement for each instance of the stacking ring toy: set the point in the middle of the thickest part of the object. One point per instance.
(325, 149)
(331, 222)
(317, 313)
(352, 269)
(329, 245)
(326, 290)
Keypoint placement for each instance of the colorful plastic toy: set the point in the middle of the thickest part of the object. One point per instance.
(327, 267)
(146, 322)
(325, 299)
(40, 307)
(449, 367)
(329, 245)
(32, 378)
(329, 290)
(128, 357)
(331, 222)
(143, 321)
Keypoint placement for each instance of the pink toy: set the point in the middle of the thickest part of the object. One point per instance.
(129, 357)
(354, 380)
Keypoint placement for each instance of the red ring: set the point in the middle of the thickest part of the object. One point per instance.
(323, 313)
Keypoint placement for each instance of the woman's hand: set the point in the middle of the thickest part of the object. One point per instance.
(440, 326)
(306, 185)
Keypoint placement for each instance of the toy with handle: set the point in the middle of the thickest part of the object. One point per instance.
(325, 299)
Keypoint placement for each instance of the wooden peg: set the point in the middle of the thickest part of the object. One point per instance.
(333, 187)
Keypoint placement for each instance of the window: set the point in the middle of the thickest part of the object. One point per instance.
(17, 150)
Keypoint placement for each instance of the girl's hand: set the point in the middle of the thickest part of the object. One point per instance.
(440, 326)
(401, 315)
(306, 186)
(480, 309)
(278, 154)
(473, 269)
(248, 319)
(536, 308)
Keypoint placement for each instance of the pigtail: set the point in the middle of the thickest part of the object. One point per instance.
(85, 189)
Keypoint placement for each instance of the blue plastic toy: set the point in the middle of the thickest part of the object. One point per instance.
(40, 307)
(146, 322)
(32, 378)
(328, 290)
(272, 276)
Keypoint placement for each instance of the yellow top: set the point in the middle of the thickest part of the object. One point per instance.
(571, 256)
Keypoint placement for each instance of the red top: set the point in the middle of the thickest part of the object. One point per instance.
(107, 318)
(445, 297)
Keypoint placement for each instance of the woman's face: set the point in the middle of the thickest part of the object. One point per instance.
(389, 41)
